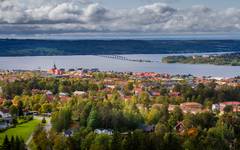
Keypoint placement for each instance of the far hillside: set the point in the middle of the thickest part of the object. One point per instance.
(98, 47)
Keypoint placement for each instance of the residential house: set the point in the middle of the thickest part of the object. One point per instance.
(68, 133)
(79, 93)
(157, 106)
(49, 95)
(148, 128)
(215, 107)
(172, 107)
(154, 93)
(104, 131)
(64, 97)
(138, 91)
(6, 119)
(180, 128)
(174, 94)
(1, 101)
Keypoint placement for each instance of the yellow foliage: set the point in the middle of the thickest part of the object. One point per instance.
(192, 132)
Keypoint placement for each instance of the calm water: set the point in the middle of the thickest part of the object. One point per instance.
(107, 64)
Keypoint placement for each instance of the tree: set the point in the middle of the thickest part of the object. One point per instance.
(20, 108)
(13, 110)
(172, 141)
(144, 98)
(46, 108)
(40, 138)
(93, 120)
(228, 109)
(19, 144)
(139, 140)
(205, 120)
(6, 144)
(130, 86)
(178, 114)
(61, 120)
(12, 143)
(164, 114)
(60, 143)
(87, 141)
(127, 143)
(175, 117)
(44, 120)
(116, 141)
(153, 116)
(101, 142)
(219, 137)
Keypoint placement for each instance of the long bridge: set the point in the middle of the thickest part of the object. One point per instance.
(118, 57)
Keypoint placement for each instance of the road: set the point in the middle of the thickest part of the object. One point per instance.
(47, 127)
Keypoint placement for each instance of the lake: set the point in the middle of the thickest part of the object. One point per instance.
(108, 64)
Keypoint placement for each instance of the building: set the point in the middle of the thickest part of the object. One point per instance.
(235, 105)
(148, 128)
(191, 107)
(68, 133)
(5, 120)
(172, 107)
(174, 94)
(180, 128)
(79, 93)
(215, 107)
(103, 131)
(55, 71)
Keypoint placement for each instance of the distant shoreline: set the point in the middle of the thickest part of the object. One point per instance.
(16, 48)
(187, 53)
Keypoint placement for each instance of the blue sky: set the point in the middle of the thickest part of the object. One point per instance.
(43, 18)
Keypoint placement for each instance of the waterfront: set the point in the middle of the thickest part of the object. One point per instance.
(108, 64)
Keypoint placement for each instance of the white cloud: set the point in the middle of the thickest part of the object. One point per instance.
(76, 16)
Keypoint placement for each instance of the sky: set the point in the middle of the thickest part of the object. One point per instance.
(78, 18)
(216, 4)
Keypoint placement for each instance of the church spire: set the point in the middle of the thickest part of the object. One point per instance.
(54, 66)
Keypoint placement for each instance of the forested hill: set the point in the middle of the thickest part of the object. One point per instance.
(95, 47)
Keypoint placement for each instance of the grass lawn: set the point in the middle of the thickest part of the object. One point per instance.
(23, 130)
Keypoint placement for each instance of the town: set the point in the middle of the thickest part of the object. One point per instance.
(85, 107)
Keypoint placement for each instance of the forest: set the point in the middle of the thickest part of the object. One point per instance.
(232, 59)
(12, 47)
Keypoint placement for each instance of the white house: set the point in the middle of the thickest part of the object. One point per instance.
(104, 131)
(6, 120)
(215, 107)
(62, 94)
(79, 93)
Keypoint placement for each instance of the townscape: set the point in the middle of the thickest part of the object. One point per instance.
(119, 75)
(103, 110)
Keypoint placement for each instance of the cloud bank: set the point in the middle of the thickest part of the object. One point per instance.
(79, 16)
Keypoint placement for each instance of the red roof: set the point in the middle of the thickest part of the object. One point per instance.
(231, 103)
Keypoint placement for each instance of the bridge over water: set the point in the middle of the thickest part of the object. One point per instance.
(118, 57)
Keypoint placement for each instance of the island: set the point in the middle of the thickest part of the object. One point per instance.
(232, 59)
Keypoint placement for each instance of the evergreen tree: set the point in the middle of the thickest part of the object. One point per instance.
(12, 143)
(6, 144)
(116, 141)
(93, 121)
